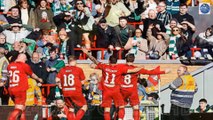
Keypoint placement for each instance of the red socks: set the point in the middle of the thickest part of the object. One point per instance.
(15, 114)
(23, 115)
(80, 114)
(136, 114)
(71, 116)
(121, 113)
(106, 116)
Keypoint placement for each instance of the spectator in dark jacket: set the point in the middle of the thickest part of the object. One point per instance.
(64, 20)
(66, 48)
(105, 38)
(183, 15)
(124, 31)
(53, 65)
(152, 19)
(38, 67)
(15, 16)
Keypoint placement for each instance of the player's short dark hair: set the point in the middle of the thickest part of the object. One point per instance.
(203, 100)
(162, 2)
(183, 4)
(52, 49)
(113, 59)
(130, 58)
(123, 18)
(14, 7)
(142, 81)
(72, 58)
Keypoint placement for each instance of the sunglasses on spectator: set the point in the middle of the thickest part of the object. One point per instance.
(79, 3)
(175, 30)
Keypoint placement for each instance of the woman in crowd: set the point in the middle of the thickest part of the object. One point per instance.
(205, 40)
(26, 12)
(44, 16)
(157, 44)
(66, 48)
(178, 44)
(137, 45)
(169, 27)
(83, 21)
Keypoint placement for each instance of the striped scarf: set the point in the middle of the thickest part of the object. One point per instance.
(172, 46)
(134, 49)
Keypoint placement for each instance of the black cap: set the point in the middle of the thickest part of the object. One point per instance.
(123, 17)
(103, 20)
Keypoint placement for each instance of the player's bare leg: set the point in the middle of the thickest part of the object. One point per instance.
(107, 113)
(136, 113)
(121, 113)
(18, 112)
(81, 112)
(71, 114)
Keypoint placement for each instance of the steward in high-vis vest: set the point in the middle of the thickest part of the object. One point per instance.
(3, 76)
(183, 89)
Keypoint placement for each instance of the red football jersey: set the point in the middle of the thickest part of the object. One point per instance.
(111, 75)
(129, 81)
(71, 77)
(18, 73)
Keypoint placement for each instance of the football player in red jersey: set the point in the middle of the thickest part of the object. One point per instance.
(70, 78)
(110, 83)
(129, 84)
(18, 85)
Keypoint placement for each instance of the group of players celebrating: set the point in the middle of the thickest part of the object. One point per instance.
(118, 81)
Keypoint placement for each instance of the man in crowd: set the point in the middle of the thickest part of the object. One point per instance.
(18, 85)
(37, 66)
(53, 65)
(3, 75)
(203, 106)
(183, 15)
(163, 15)
(124, 31)
(114, 11)
(183, 89)
(70, 79)
(105, 38)
(61, 111)
(15, 16)
(152, 19)
(110, 83)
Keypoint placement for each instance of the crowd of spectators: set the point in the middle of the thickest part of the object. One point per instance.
(166, 28)
(48, 31)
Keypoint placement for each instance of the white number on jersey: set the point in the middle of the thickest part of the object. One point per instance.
(107, 79)
(69, 80)
(127, 79)
(15, 76)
